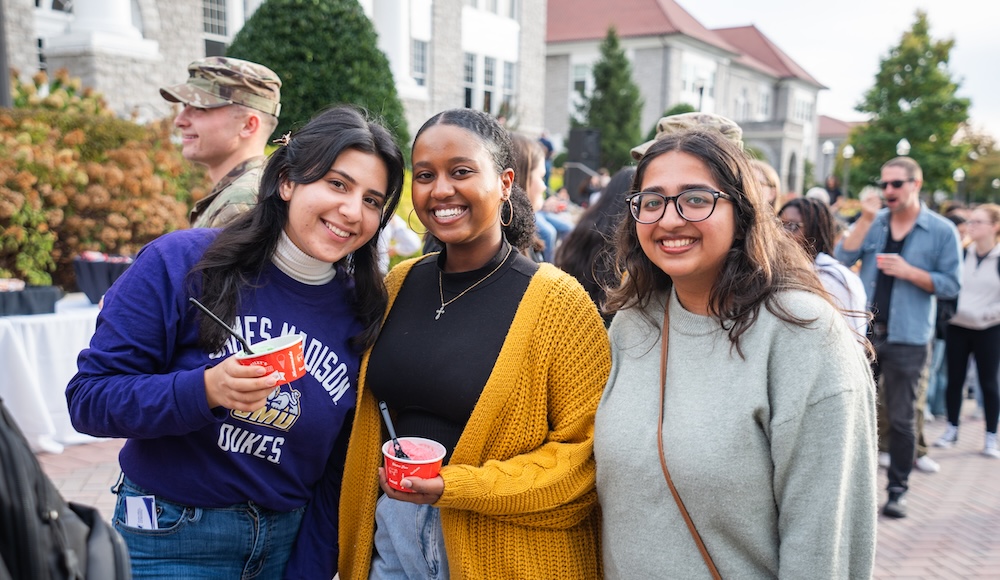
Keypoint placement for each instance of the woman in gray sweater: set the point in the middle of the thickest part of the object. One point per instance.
(765, 420)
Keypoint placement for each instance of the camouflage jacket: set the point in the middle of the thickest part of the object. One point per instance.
(232, 195)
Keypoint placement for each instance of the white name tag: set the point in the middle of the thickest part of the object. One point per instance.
(140, 512)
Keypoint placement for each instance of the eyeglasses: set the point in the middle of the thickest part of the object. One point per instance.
(978, 222)
(792, 227)
(693, 205)
(895, 183)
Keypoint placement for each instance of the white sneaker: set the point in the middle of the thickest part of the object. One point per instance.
(928, 416)
(926, 464)
(949, 438)
(884, 459)
(991, 449)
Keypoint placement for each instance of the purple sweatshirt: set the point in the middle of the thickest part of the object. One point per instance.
(143, 379)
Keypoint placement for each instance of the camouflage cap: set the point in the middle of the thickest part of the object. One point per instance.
(683, 121)
(218, 81)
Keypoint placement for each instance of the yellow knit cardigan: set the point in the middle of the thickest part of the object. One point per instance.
(519, 497)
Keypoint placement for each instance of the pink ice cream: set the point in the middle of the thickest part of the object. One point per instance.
(419, 451)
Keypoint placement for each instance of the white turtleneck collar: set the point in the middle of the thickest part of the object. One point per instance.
(300, 265)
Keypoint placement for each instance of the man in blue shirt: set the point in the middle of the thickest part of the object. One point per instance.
(909, 256)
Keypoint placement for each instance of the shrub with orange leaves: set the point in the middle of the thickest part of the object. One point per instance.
(74, 178)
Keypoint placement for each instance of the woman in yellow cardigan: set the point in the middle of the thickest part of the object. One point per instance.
(500, 359)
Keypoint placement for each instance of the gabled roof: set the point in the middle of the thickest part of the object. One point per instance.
(575, 20)
(758, 52)
(831, 127)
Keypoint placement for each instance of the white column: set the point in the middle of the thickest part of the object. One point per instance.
(392, 22)
(109, 16)
(103, 26)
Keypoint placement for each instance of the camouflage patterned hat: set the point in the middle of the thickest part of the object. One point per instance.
(218, 81)
(683, 121)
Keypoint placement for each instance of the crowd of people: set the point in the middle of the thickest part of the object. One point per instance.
(611, 385)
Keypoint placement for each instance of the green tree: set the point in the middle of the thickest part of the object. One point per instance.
(326, 53)
(614, 106)
(982, 168)
(677, 109)
(914, 96)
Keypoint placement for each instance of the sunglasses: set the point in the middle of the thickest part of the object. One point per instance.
(895, 183)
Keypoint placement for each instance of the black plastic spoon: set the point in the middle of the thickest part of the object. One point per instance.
(246, 345)
(396, 447)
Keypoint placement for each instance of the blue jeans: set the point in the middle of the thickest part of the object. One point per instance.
(548, 235)
(240, 541)
(409, 542)
(937, 379)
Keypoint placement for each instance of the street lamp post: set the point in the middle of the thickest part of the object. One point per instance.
(827, 149)
(996, 185)
(847, 153)
(959, 176)
(903, 147)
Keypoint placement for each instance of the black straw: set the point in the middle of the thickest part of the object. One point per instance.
(246, 345)
(396, 447)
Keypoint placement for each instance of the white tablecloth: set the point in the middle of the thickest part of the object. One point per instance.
(37, 359)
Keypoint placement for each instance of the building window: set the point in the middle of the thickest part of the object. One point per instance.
(56, 5)
(418, 53)
(580, 74)
(214, 17)
(743, 105)
(512, 9)
(764, 106)
(472, 3)
(489, 82)
(489, 71)
(469, 78)
(509, 74)
(493, 6)
(42, 65)
(214, 48)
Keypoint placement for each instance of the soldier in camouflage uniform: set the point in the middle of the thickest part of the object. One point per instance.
(230, 109)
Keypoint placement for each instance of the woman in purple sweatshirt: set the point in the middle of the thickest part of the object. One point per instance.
(239, 478)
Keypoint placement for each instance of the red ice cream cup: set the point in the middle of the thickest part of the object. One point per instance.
(283, 354)
(425, 460)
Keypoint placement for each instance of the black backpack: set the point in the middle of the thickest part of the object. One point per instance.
(43, 537)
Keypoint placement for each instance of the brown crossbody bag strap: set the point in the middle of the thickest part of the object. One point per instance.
(663, 461)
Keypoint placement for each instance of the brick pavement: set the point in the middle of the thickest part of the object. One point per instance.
(952, 530)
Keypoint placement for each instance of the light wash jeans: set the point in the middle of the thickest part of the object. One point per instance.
(243, 541)
(409, 542)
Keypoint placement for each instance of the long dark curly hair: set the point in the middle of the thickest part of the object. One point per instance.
(762, 261)
(244, 248)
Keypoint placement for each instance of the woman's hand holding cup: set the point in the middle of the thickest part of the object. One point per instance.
(238, 387)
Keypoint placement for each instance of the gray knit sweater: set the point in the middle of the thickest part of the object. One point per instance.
(773, 455)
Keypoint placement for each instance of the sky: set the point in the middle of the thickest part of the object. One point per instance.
(841, 43)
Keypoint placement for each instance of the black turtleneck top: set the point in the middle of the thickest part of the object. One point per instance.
(431, 372)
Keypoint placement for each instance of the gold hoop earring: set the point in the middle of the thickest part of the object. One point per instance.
(409, 223)
(510, 220)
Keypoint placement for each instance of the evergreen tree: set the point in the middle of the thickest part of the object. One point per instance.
(614, 106)
(914, 97)
(982, 168)
(326, 53)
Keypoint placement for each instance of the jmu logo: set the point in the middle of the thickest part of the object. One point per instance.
(280, 412)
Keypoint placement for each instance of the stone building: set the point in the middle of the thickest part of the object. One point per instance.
(486, 54)
(735, 72)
